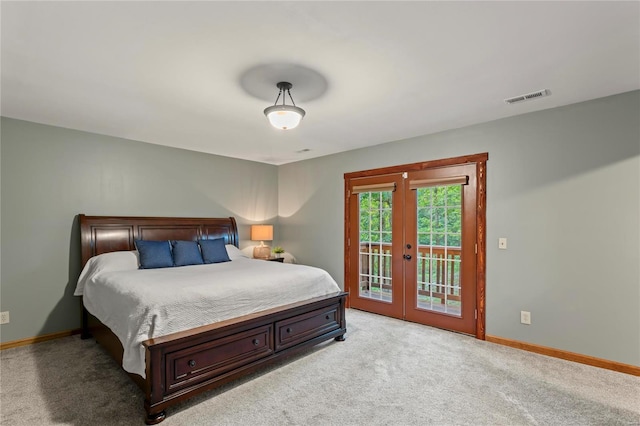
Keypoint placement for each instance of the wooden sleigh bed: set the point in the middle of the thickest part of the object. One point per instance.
(184, 364)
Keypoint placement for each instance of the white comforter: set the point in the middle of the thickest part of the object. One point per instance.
(138, 304)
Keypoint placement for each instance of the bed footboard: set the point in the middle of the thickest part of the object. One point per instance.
(184, 364)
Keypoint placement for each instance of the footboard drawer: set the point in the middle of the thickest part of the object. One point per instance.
(300, 328)
(207, 360)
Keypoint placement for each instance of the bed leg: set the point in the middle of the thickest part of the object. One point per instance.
(154, 419)
(85, 334)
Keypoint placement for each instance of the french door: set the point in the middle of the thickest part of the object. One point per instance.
(376, 205)
(413, 243)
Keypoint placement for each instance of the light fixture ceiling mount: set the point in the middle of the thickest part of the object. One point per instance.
(284, 116)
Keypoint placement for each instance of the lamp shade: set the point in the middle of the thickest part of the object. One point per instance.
(284, 117)
(261, 232)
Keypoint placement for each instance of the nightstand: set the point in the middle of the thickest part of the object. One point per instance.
(271, 259)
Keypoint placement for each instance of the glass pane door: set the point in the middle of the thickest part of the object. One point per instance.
(375, 269)
(439, 236)
(440, 239)
(375, 239)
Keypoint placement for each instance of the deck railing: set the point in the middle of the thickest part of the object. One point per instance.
(438, 270)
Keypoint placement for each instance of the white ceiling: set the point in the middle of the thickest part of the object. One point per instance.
(171, 73)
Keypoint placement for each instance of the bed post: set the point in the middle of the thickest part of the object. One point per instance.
(154, 388)
(343, 320)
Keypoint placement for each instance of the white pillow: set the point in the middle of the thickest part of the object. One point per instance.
(107, 262)
(234, 252)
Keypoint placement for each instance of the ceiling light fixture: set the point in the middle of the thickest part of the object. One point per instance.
(283, 116)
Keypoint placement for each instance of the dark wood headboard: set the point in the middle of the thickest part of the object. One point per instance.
(103, 234)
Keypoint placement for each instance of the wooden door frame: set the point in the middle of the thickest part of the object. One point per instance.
(480, 160)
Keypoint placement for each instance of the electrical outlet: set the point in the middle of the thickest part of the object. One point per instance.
(4, 317)
(525, 317)
(502, 243)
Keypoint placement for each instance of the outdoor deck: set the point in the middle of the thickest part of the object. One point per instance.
(438, 276)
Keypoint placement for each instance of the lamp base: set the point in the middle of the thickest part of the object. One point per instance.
(262, 252)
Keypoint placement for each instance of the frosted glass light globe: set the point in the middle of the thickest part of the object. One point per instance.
(284, 117)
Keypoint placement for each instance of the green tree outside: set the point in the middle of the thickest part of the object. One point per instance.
(439, 216)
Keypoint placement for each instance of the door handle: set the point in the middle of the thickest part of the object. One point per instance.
(406, 256)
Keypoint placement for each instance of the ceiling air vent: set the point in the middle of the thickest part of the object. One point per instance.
(528, 96)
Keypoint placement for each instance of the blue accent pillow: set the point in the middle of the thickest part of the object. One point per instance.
(214, 251)
(186, 253)
(154, 254)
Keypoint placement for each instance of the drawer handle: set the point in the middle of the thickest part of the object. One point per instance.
(256, 342)
(192, 363)
(289, 330)
(327, 317)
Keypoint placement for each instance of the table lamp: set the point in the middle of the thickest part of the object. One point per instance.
(262, 233)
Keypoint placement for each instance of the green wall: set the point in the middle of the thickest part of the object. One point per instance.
(51, 174)
(563, 185)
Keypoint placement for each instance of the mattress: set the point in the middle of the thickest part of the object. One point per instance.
(139, 304)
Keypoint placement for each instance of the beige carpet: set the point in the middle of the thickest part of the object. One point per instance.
(387, 372)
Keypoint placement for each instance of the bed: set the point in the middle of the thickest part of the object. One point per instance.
(185, 363)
